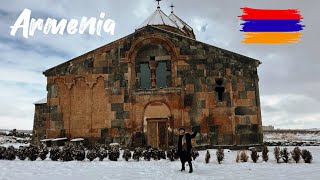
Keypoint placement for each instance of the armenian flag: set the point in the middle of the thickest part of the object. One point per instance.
(269, 26)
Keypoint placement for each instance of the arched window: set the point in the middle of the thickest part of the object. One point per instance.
(153, 67)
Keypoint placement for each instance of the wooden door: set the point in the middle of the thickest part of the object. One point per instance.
(157, 134)
(152, 134)
(162, 135)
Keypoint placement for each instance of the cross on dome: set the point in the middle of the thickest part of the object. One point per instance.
(172, 22)
(172, 6)
(158, 3)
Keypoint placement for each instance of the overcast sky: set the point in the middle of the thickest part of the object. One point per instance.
(289, 79)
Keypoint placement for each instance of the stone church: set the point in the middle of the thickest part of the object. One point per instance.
(139, 90)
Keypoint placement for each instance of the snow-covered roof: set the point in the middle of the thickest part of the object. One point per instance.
(77, 140)
(158, 18)
(179, 22)
(46, 140)
(60, 139)
(42, 101)
(114, 144)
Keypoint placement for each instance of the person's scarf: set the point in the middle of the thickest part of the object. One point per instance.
(184, 143)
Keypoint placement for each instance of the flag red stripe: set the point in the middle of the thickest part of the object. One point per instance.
(270, 14)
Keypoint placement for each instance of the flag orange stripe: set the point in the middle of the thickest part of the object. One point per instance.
(271, 37)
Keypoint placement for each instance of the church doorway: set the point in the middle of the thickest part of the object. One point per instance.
(156, 124)
(157, 133)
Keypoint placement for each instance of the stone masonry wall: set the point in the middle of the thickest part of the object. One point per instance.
(39, 124)
(94, 95)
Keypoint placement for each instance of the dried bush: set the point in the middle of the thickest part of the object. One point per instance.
(162, 154)
(79, 153)
(265, 151)
(207, 158)
(2, 151)
(194, 154)
(66, 153)
(137, 154)
(285, 155)
(296, 154)
(114, 153)
(243, 156)
(10, 153)
(92, 154)
(155, 154)
(306, 156)
(276, 153)
(220, 155)
(238, 157)
(172, 153)
(126, 154)
(43, 152)
(32, 152)
(22, 152)
(147, 154)
(254, 155)
(55, 153)
(102, 153)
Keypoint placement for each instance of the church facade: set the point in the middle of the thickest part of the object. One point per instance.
(139, 90)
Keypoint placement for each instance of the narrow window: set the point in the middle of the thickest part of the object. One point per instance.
(163, 74)
(219, 89)
(144, 76)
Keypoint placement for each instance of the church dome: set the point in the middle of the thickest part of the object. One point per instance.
(182, 25)
(158, 18)
(171, 23)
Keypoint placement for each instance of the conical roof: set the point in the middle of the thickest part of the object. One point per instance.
(158, 18)
(181, 24)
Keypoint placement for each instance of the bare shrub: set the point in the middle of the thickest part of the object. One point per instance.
(243, 156)
(220, 155)
(306, 156)
(276, 153)
(207, 159)
(296, 154)
(285, 155)
(238, 157)
(254, 155)
(265, 151)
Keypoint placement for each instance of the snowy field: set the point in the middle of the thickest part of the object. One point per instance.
(163, 169)
(291, 136)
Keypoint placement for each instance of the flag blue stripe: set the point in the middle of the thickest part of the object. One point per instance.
(272, 26)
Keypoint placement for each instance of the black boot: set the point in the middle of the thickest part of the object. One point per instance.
(183, 168)
(190, 167)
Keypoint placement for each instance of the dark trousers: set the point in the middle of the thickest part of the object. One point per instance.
(185, 157)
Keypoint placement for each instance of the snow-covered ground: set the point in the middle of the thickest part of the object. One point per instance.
(13, 140)
(291, 137)
(163, 169)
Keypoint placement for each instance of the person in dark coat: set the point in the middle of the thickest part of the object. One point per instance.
(184, 148)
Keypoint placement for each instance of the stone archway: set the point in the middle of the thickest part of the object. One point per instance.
(156, 123)
(141, 43)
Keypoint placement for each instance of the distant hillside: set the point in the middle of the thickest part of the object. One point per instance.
(18, 130)
(292, 135)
